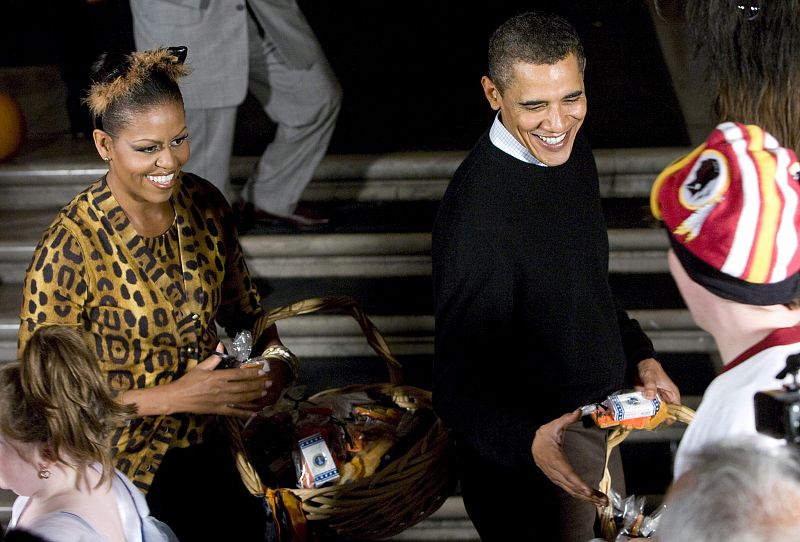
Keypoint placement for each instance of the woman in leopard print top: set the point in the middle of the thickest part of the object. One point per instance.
(147, 260)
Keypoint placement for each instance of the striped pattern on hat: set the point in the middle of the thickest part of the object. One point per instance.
(733, 203)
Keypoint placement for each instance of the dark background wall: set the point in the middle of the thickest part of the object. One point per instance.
(410, 70)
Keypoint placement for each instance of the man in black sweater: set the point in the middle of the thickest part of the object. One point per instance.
(526, 324)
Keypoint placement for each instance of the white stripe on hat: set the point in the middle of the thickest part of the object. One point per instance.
(770, 143)
(747, 225)
(786, 238)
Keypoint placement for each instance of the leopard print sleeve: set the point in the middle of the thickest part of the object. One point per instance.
(240, 304)
(54, 291)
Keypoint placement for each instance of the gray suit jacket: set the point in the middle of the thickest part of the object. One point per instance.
(215, 31)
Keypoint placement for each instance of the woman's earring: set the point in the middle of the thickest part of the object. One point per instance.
(107, 158)
(44, 472)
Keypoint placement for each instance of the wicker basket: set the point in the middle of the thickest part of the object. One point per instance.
(675, 413)
(405, 491)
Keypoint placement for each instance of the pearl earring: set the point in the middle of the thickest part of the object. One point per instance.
(107, 158)
(44, 472)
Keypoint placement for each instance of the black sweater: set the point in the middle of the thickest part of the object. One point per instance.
(527, 328)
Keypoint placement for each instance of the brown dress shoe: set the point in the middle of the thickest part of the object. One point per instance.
(301, 219)
(306, 218)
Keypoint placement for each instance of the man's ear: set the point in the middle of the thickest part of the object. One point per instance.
(103, 143)
(491, 92)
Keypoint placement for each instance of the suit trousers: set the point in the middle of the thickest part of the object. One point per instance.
(523, 504)
(304, 104)
(211, 134)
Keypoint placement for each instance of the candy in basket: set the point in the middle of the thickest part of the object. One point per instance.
(630, 519)
(334, 439)
(360, 462)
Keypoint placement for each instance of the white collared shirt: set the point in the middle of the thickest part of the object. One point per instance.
(503, 140)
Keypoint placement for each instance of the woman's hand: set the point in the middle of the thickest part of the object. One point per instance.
(230, 392)
(204, 390)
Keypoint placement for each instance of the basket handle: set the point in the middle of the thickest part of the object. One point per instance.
(680, 413)
(352, 307)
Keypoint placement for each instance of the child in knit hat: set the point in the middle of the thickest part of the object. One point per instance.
(731, 211)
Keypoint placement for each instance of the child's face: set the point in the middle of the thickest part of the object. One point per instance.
(19, 471)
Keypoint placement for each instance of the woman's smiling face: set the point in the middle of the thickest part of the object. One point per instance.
(146, 155)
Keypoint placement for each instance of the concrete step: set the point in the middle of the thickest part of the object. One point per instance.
(450, 522)
(40, 180)
(344, 254)
(332, 336)
(338, 336)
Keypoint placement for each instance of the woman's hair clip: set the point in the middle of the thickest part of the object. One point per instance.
(120, 70)
(179, 52)
(176, 54)
(132, 72)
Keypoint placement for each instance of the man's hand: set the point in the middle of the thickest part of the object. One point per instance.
(655, 380)
(548, 453)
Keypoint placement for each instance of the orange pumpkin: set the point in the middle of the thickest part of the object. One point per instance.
(12, 127)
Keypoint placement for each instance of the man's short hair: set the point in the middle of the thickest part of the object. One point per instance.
(533, 37)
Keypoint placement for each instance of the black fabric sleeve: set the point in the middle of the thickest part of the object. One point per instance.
(635, 342)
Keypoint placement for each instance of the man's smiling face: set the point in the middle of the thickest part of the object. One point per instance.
(543, 107)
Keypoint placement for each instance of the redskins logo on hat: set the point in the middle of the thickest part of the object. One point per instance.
(733, 204)
(703, 188)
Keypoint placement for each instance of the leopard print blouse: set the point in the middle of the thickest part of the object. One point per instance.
(152, 319)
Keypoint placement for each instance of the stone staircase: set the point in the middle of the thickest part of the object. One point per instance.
(378, 250)
(379, 263)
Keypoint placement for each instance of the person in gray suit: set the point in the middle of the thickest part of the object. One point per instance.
(268, 48)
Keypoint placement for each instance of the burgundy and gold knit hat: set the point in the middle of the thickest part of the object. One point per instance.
(732, 214)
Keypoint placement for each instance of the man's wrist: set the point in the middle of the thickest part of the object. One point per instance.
(645, 362)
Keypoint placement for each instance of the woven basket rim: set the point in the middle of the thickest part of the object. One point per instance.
(384, 503)
(425, 467)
